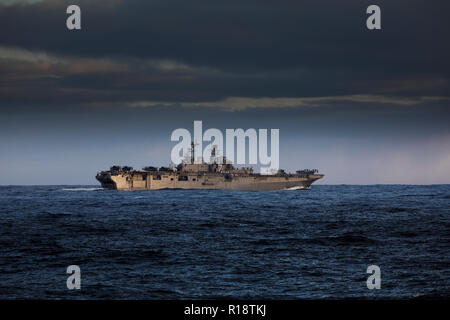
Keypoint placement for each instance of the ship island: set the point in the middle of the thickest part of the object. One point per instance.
(218, 174)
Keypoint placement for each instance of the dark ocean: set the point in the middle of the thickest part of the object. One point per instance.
(191, 244)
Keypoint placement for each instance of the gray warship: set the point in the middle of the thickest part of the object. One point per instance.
(220, 174)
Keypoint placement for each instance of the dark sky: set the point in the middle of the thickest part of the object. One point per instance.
(362, 106)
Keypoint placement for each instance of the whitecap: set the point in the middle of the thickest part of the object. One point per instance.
(80, 189)
(297, 188)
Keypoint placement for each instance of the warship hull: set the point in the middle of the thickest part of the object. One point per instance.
(172, 180)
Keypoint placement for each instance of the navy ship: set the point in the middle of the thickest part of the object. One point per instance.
(220, 174)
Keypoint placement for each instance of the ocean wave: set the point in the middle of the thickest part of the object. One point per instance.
(80, 189)
(297, 188)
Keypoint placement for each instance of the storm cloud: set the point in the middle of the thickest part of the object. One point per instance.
(205, 51)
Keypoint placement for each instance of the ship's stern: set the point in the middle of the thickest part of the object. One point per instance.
(106, 180)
